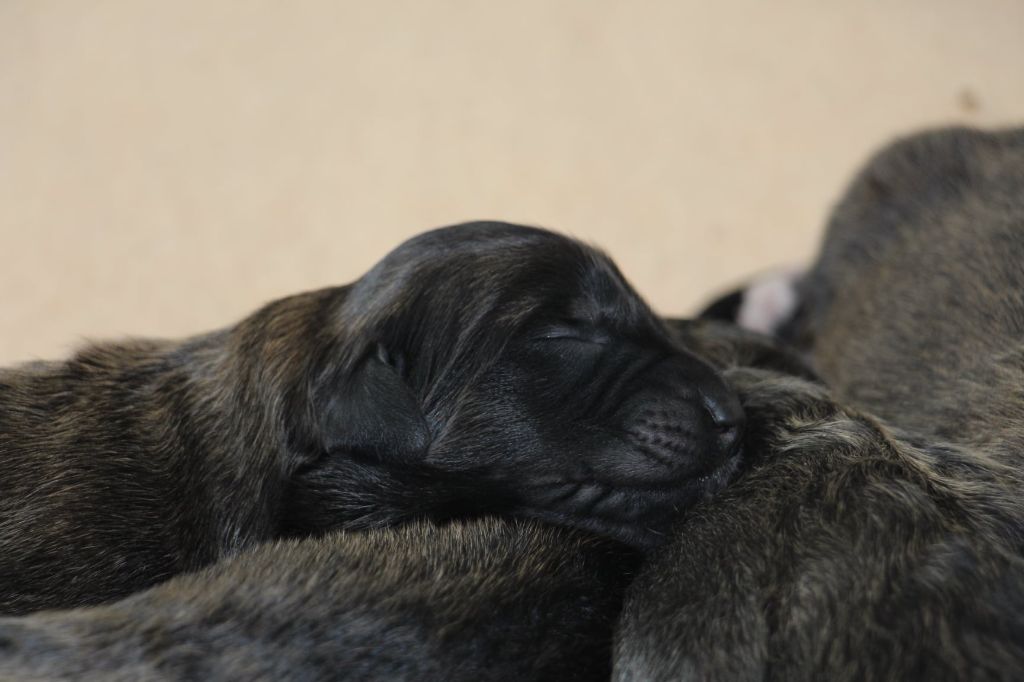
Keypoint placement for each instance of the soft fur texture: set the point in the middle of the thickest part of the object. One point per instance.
(472, 601)
(846, 552)
(915, 308)
(848, 549)
(490, 600)
(483, 368)
(852, 550)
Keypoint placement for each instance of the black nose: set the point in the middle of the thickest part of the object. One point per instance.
(726, 415)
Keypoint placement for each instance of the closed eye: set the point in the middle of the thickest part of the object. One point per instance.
(568, 333)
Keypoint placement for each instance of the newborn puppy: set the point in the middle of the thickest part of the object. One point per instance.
(914, 309)
(851, 550)
(471, 601)
(482, 368)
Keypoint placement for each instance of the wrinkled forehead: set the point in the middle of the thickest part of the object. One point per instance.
(461, 294)
(506, 268)
(584, 288)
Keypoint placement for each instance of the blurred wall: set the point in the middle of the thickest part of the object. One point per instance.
(167, 166)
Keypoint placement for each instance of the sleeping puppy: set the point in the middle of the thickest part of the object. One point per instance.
(483, 368)
(476, 601)
(914, 309)
(844, 552)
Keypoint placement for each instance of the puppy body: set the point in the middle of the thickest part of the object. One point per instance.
(130, 463)
(846, 552)
(484, 600)
(854, 550)
(915, 308)
(487, 600)
(478, 369)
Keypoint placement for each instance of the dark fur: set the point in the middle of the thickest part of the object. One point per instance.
(846, 552)
(471, 601)
(852, 550)
(915, 307)
(484, 368)
(475, 601)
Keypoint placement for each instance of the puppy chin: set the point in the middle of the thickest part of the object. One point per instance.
(639, 517)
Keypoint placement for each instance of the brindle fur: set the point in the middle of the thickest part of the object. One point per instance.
(481, 601)
(475, 601)
(482, 368)
(847, 551)
(915, 308)
(853, 549)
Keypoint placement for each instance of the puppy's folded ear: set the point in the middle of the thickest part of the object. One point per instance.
(725, 308)
(373, 412)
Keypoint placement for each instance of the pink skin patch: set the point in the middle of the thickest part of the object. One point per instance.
(769, 301)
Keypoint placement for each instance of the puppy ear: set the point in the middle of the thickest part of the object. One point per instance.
(373, 412)
(724, 308)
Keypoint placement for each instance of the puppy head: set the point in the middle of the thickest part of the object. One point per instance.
(519, 366)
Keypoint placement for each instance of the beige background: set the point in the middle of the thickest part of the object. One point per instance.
(167, 166)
